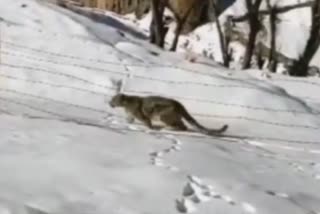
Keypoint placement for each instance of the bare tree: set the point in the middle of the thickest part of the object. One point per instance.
(273, 32)
(300, 67)
(181, 22)
(224, 38)
(254, 27)
(253, 15)
(157, 31)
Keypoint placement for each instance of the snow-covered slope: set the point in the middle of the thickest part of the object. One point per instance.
(63, 150)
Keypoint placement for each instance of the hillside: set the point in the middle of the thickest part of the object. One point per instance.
(64, 150)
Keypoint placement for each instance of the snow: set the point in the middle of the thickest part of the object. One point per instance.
(64, 150)
(293, 31)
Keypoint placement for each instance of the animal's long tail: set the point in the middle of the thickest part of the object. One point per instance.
(218, 131)
(198, 126)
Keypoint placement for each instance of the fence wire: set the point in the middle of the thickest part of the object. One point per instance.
(126, 72)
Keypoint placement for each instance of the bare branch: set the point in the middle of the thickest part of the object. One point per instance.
(285, 9)
(278, 10)
(180, 24)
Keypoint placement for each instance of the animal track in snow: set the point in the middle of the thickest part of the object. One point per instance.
(195, 191)
(316, 176)
(277, 194)
(157, 156)
(4, 210)
(185, 205)
(297, 167)
(316, 170)
(110, 120)
(32, 210)
(13, 208)
(248, 207)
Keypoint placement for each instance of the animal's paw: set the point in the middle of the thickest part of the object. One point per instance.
(130, 120)
(157, 128)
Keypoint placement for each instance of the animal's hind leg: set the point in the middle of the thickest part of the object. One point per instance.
(145, 120)
(179, 126)
(174, 122)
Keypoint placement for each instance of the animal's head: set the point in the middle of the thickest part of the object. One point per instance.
(117, 100)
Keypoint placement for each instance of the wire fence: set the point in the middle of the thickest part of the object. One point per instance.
(127, 73)
(56, 73)
(65, 56)
(53, 85)
(153, 79)
(256, 108)
(278, 124)
(141, 64)
(9, 53)
(27, 95)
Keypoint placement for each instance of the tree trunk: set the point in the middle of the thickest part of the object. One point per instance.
(157, 28)
(152, 30)
(273, 28)
(180, 25)
(260, 59)
(300, 67)
(224, 41)
(254, 29)
(177, 35)
(254, 24)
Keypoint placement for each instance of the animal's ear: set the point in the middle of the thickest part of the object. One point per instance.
(117, 84)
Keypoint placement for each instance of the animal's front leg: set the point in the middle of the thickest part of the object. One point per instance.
(130, 118)
(145, 120)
